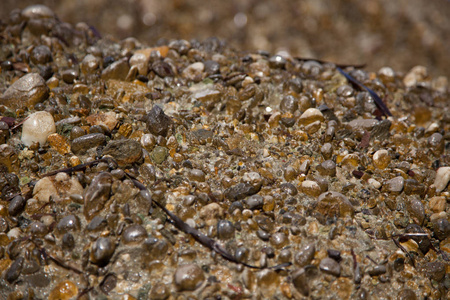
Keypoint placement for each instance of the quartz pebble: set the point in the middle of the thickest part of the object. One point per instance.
(381, 159)
(37, 128)
(442, 178)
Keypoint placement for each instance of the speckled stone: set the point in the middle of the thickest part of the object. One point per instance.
(28, 91)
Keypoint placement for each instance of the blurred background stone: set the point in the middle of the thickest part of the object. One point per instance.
(399, 34)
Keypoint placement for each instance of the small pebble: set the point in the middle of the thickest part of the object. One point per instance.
(37, 127)
(330, 266)
(188, 277)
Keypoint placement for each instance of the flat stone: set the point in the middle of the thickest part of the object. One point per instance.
(125, 151)
(88, 141)
(158, 123)
(394, 185)
(28, 91)
(117, 70)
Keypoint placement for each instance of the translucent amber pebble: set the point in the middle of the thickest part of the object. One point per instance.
(381, 159)
(64, 290)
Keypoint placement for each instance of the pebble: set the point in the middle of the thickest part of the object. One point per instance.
(37, 127)
(117, 70)
(300, 281)
(225, 230)
(43, 189)
(327, 168)
(97, 194)
(28, 91)
(334, 204)
(381, 159)
(107, 119)
(158, 123)
(305, 255)
(416, 210)
(437, 204)
(188, 277)
(89, 64)
(41, 55)
(194, 71)
(102, 250)
(330, 266)
(311, 188)
(16, 205)
(68, 223)
(134, 234)
(406, 294)
(415, 75)
(69, 76)
(14, 270)
(441, 228)
(83, 143)
(394, 185)
(377, 270)
(309, 116)
(159, 154)
(279, 240)
(435, 270)
(211, 213)
(59, 143)
(442, 179)
(254, 202)
(64, 290)
(196, 175)
(125, 151)
(240, 191)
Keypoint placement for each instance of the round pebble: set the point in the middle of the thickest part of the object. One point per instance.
(188, 277)
(37, 127)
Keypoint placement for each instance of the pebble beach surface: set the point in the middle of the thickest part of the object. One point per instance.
(302, 186)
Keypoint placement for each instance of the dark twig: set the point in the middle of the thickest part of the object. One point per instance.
(380, 104)
(397, 243)
(200, 237)
(178, 223)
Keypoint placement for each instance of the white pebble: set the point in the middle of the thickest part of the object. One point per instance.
(442, 178)
(374, 183)
(37, 128)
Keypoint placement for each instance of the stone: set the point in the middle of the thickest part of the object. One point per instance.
(437, 204)
(327, 168)
(415, 75)
(59, 143)
(97, 194)
(211, 213)
(300, 281)
(394, 185)
(416, 211)
(117, 70)
(158, 123)
(309, 116)
(64, 290)
(330, 266)
(125, 151)
(305, 255)
(442, 179)
(83, 143)
(26, 92)
(159, 154)
(334, 204)
(381, 159)
(311, 188)
(43, 189)
(188, 277)
(441, 228)
(37, 127)
(254, 202)
(134, 233)
(194, 71)
(106, 119)
(240, 191)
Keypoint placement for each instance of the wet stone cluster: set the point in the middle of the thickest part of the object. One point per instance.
(280, 160)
